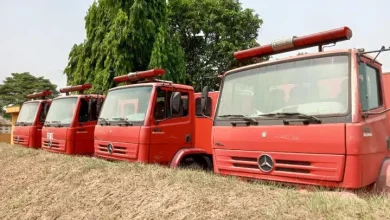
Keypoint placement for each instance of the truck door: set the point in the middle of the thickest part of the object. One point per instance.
(169, 133)
(374, 126)
(85, 128)
(42, 113)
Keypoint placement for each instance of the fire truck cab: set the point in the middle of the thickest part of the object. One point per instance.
(28, 126)
(317, 119)
(152, 121)
(71, 120)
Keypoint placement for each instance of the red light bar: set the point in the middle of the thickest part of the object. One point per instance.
(134, 76)
(75, 88)
(296, 43)
(39, 94)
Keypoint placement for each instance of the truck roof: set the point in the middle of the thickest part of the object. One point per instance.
(79, 96)
(38, 101)
(300, 57)
(179, 86)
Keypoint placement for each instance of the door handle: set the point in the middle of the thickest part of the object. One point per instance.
(81, 130)
(157, 131)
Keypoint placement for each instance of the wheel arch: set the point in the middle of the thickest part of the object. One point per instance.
(382, 183)
(191, 152)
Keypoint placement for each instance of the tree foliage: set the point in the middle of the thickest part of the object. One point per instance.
(193, 41)
(15, 89)
(210, 32)
(124, 36)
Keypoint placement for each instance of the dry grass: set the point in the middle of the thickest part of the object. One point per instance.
(39, 185)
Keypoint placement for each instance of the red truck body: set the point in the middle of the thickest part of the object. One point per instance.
(319, 119)
(70, 124)
(28, 127)
(137, 123)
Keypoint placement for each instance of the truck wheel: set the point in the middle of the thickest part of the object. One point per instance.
(191, 163)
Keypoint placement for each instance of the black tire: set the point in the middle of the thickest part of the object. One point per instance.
(192, 163)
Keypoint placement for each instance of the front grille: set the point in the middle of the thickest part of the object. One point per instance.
(290, 166)
(115, 149)
(55, 145)
(19, 140)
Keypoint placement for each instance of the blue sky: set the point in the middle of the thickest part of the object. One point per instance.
(36, 36)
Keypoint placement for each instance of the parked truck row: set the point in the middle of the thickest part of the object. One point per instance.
(319, 119)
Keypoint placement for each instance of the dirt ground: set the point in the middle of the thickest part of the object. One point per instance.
(35, 184)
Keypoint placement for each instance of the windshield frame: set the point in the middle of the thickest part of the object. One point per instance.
(77, 103)
(38, 103)
(326, 118)
(134, 123)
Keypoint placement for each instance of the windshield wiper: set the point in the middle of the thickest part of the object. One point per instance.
(295, 117)
(21, 123)
(105, 120)
(124, 120)
(57, 123)
(247, 120)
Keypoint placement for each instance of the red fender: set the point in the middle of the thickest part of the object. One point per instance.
(184, 152)
(383, 182)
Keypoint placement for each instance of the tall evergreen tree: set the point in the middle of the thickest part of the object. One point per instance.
(121, 35)
(193, 40)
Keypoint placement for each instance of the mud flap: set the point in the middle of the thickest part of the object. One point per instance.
(382, 184)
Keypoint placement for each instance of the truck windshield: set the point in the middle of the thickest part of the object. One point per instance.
(128, 104)
(315, 86)
(27, 113)
(61, 111)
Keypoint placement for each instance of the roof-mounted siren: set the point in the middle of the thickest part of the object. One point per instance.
(79, 88)
(137, 76)
(296, 43)
(41, 95)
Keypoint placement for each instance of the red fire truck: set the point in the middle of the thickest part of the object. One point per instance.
(71, 120)
(154, 121)
(28, 126)
(316, 119)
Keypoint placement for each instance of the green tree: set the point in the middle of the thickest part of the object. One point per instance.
(121, 37)
(193, 41)
(210, 32)
(168, 54)
(15, 89)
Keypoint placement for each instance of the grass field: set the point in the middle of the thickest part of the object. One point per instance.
(35, 184)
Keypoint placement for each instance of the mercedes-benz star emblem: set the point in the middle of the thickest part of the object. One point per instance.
(110, 148)
(49, 143)
(17, 139)
(266, 164)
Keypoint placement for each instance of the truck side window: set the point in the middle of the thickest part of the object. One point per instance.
(160, 107)
(184, 105)
(83, 112)
(198, 111)
(370, 87)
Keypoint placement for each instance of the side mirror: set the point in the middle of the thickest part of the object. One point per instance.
(98, 106)
(203, 101)
(175, 102)
(45, 109)
(89, 107)
(43, 115)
